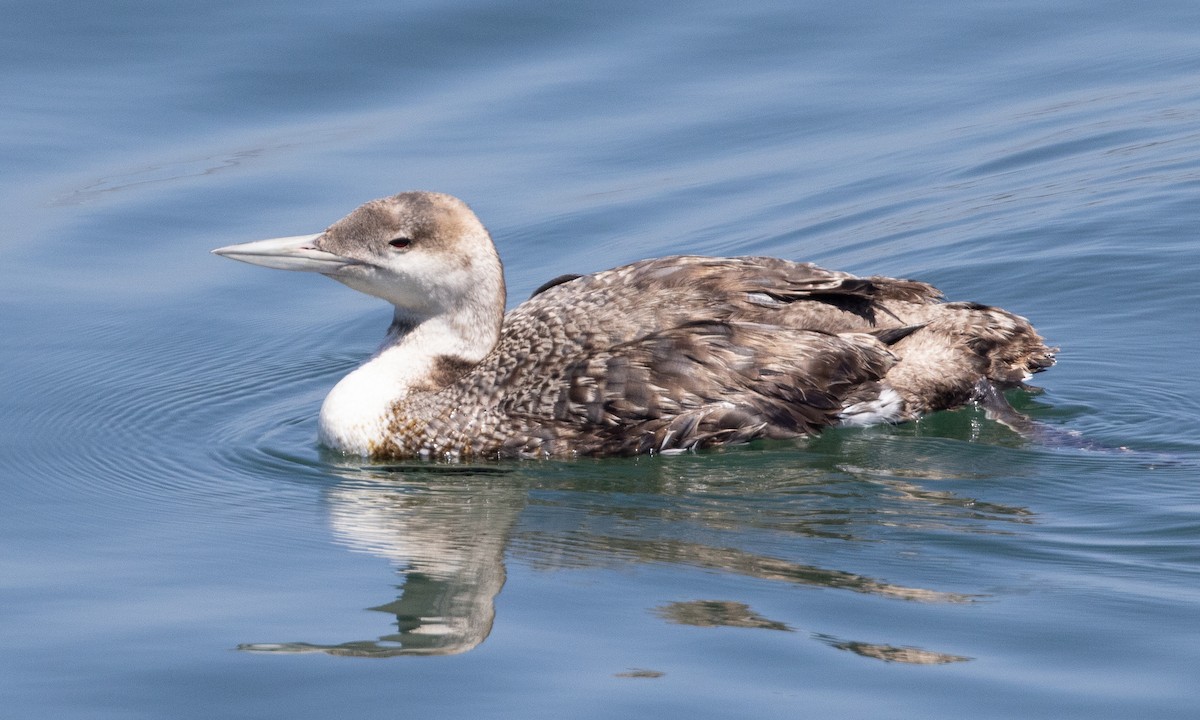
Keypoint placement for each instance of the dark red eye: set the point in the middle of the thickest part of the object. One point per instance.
(400, 243)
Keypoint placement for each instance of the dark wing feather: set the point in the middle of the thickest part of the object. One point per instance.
(706, 383)
(554, 282)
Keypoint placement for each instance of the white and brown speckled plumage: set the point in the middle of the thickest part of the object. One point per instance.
(661, 355)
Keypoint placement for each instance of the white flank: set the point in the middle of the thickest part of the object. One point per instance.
(887, 408)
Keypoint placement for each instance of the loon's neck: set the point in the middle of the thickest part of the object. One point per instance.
(416, 357)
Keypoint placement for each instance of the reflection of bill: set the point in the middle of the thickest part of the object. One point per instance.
(447, 540)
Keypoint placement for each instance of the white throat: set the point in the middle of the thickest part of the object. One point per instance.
(357, 412)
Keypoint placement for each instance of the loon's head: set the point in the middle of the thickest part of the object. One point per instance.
(426, 253)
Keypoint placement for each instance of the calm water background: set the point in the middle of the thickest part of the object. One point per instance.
(174, 544)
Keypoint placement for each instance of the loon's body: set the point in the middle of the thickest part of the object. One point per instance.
(657, 356)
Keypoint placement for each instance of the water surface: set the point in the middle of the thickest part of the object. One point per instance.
(175, 544)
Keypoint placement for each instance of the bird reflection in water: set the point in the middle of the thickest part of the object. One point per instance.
(723, 613)
(447, 530)
(447, 540)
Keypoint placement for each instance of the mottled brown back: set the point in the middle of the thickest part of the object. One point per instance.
(689, 352)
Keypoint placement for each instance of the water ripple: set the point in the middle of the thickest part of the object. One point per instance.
(145, 426)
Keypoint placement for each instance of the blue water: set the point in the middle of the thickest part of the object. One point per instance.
(173, 543)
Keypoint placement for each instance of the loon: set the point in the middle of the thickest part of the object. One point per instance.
(659, 356)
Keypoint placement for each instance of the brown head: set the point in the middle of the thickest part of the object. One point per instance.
(425, 253)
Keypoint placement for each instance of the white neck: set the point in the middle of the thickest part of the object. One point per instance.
(356, 413)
